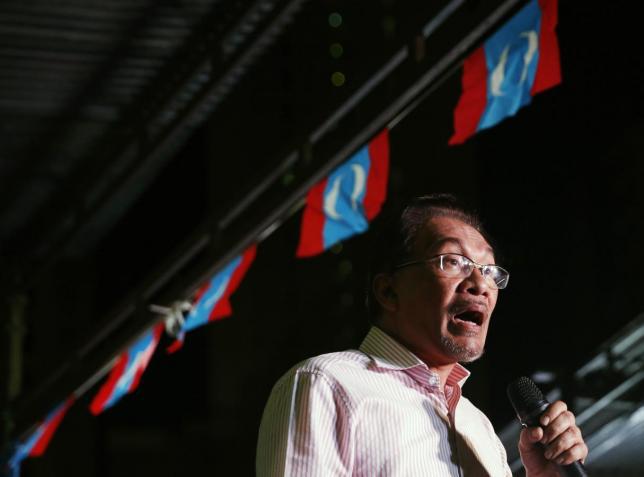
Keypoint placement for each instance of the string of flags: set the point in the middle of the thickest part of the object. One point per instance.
(518, 61)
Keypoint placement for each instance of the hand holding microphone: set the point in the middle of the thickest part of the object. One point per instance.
(550, 440)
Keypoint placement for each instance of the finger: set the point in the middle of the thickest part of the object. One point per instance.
(565, 441)
(530, 436)
(552, 411)
(578, 452)
(559, 425)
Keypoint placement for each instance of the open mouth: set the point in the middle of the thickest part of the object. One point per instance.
(470, 316)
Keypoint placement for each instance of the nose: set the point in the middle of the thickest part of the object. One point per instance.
(476, 284)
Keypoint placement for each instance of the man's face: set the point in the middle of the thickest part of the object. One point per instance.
(443, 320)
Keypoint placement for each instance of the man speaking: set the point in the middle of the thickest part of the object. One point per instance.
(394, 406)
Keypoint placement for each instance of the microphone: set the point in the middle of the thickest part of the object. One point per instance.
(529, 404)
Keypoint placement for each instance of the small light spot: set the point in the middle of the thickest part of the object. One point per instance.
(338, 78)
(337, 248)
(288, 178)
(336, 50)
(345, 267)
(335, 20)
(389, 26)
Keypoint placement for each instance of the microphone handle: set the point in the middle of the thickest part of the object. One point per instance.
(576, 469)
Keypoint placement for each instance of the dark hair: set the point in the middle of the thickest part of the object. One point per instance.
(393, 241)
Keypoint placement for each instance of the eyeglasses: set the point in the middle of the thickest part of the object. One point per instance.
(454, 265)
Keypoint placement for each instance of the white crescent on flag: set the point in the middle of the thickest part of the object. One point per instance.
(533, 45)
(498, 74)
(214, 298)
(358, 184)
(331, 199)
(139, 362)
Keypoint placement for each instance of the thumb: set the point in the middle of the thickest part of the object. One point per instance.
(531, 453)
(529, 436)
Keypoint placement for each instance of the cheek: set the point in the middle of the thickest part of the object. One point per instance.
(433, 299)
(493, 298)
(444, 291)
(429, 299)
(424, 297)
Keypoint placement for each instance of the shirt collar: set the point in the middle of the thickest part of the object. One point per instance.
(387, 353)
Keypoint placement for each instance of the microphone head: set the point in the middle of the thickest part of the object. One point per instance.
(527, 400)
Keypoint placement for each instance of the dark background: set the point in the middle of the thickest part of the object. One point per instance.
(558, 185)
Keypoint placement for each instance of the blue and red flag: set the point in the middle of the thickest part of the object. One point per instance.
(37, 442)
(127, 371)
(520, 60)
(211, 301)
(343, 204)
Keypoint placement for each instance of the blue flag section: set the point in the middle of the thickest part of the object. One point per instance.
(344, 190)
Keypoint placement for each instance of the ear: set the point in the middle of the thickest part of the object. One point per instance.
(383, 290)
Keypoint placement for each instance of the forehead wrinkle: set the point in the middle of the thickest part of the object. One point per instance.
(436, 244)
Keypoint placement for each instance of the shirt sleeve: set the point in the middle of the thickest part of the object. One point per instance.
(305, 429)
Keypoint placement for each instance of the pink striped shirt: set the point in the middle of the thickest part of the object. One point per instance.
(376, 411)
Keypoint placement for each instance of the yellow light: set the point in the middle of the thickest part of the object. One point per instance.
(338, 78)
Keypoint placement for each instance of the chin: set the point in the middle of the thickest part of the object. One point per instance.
(461, 353)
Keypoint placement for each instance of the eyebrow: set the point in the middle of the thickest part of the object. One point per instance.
(440, 242)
